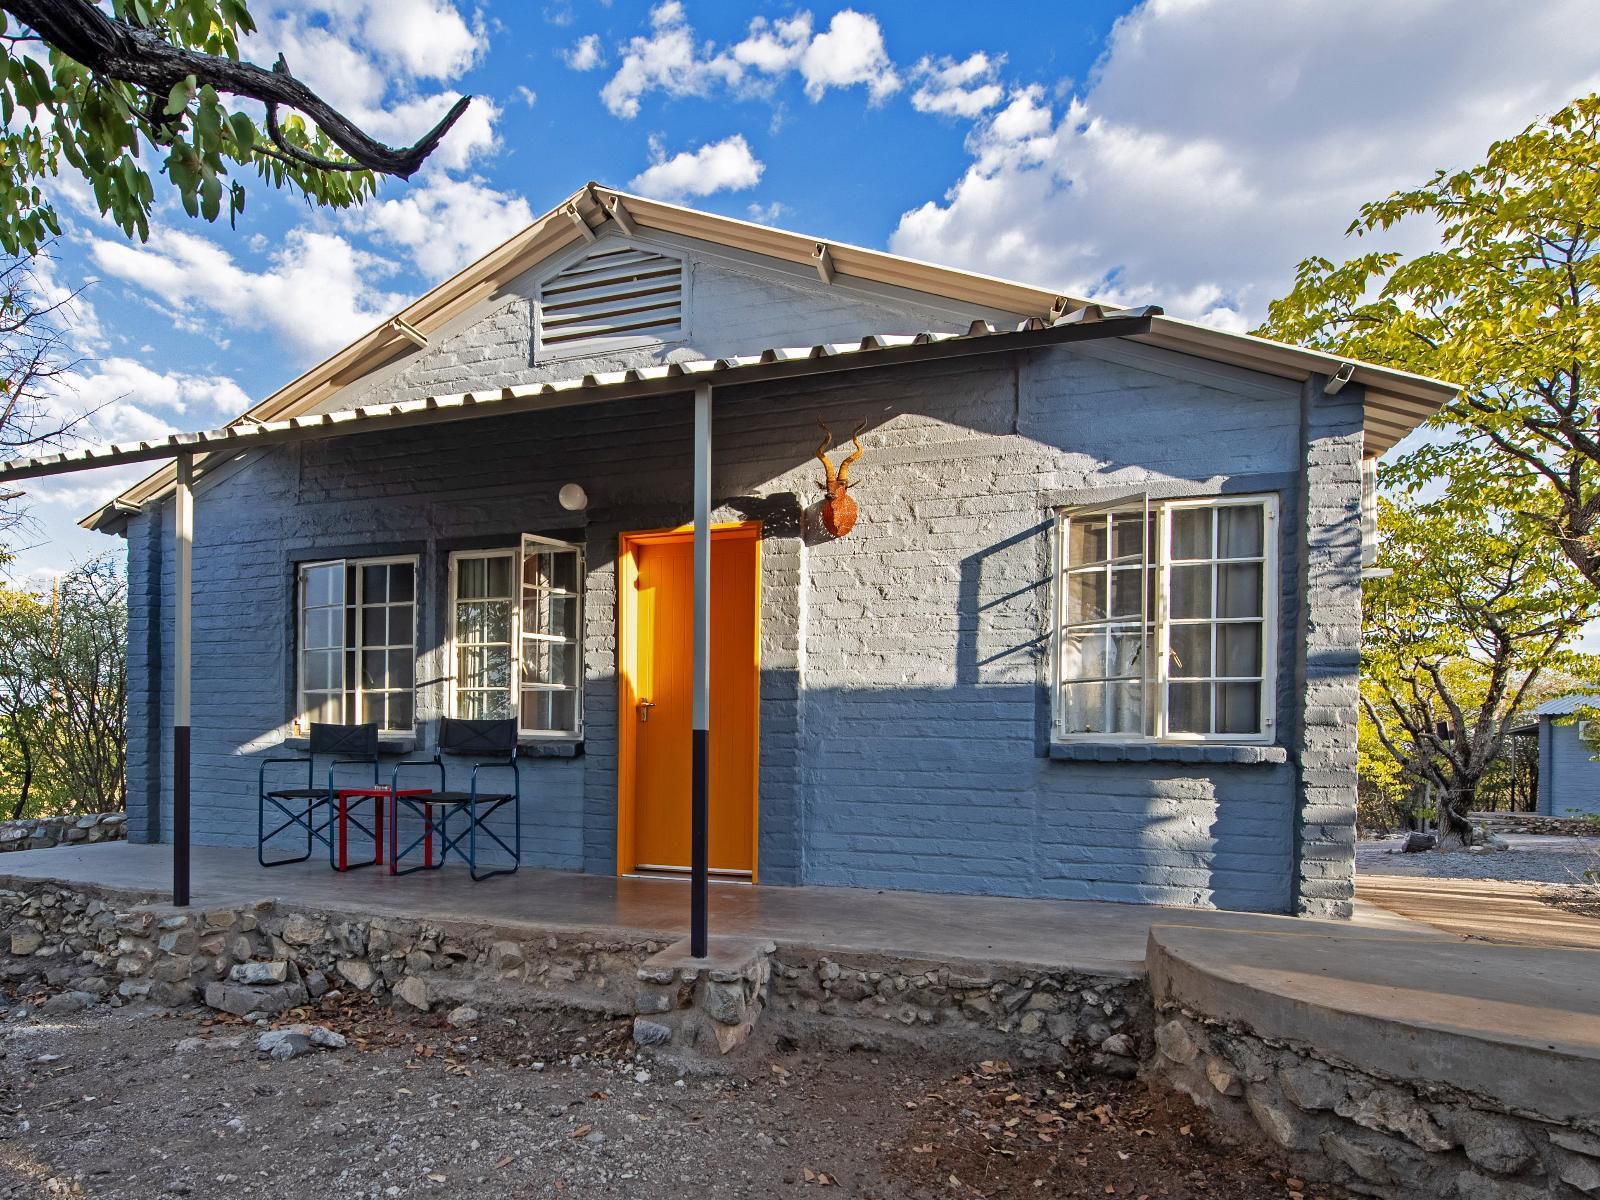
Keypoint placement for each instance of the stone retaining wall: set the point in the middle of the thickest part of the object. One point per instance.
(1044, 1014)
(1373, 1135)
(42, 833)
(1499, 822)
(266, 957)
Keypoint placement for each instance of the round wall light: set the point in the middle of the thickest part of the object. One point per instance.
(572, 497)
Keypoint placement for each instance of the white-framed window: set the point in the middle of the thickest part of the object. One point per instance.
(356, 620)
(613, 297)
(1165, 620)
(516, 628)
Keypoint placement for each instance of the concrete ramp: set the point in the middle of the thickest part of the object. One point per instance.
(1400, 1065)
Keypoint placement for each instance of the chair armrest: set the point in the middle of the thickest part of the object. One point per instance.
(510, 762)
(394, 776)
(261, 775)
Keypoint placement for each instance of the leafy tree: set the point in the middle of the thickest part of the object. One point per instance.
(95, 89)
(1506, 306)
(1479, 606)
(63, 693)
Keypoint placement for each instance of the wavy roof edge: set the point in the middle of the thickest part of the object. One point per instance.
(1406, 400)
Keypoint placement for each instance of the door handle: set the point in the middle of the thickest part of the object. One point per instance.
(644, 709)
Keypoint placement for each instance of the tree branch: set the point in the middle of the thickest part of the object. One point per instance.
(144, 59)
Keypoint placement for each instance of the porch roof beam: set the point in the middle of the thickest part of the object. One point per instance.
(774, 366)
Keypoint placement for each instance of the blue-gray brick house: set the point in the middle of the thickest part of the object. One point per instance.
(1093, 636)
(1569, 776)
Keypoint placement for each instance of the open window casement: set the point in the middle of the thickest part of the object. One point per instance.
(550, 636)
(516, 636)
(1105, 618)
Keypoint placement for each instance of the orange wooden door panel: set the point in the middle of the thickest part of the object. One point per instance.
(656, 655)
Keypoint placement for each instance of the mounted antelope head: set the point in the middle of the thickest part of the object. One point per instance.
(838, 510)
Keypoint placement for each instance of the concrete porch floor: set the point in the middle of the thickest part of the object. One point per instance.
(1095, 938)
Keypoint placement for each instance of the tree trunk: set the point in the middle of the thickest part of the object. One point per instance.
(1455, 831)
(27, 778)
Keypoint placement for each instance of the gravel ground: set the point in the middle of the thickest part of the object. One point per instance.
(131, 1103)
(1532, 859)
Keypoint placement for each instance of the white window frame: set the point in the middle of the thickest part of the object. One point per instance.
(301, 723)
(518, 555)
(1156, 681)
(605, 343)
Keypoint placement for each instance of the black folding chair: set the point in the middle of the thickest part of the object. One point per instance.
(494, 745)
(312, 807)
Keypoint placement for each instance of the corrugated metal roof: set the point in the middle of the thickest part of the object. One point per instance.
(777, 363)
(1565, 706)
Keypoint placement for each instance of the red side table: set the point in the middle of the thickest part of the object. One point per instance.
(379, 796)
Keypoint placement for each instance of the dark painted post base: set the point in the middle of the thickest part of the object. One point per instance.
(700, 847)
(180, 815)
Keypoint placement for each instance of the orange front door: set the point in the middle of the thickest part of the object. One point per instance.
(656, 583)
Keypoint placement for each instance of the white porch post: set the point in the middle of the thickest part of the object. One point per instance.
(183, 508)
(699, 806)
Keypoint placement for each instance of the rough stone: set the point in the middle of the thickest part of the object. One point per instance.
(1281, 1122)
(67, 1002)
(1377, 1159)
(301, 930)
(724, 1002)
(1313, 1086)
(242, 999)
(281, 1044)
(1120, 1045)
(25, 941)
(414, 992)
(1223, 1077)
(1470, 1185)
(260, 972)
(1387, 1110)
(1491, 1142)
(357, 973)
(463, 1015)
(1577, 1171)
(506, 956)
(650, 1033)
(1174, 1042)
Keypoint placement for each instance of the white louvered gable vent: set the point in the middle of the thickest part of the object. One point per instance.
(624, 294)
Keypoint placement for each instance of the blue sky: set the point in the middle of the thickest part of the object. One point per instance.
(1181, 152)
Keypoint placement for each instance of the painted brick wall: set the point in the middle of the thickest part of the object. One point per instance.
(905, 714)
(1569, 779)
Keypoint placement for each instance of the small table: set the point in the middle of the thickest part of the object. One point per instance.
(391, 795)
(378, 795)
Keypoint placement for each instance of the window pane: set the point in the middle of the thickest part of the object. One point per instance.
(374, 669)
(1238, 708)
(548, 662)
(374, 584)
(1124, 653)
(1086, 596)
(401, 669)
(1191, 592)
(1086, 540)
(374, 627)
(1129, 534)
(480, 578)
(557, 616)
(1190, 647)
(400, 619)
(550, 712)
(1239, 649)
(1083, 707)
(1126, 592)
(483, 621)
(483, 667)
(1189, 707)
(1239, 531)
(400, 711)
(321, 629)
(483, 706)
(1191, 533)
(1239, 590)
(556, 569)
(402, 582)
(500, 575)
(1127, 707)
(325, 707)
(1083, 654)
(321, 670)
(322, 585)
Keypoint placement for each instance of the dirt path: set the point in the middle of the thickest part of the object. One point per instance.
(123, 1103)
(1510, 913)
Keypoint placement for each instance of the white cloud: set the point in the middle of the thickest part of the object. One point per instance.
(725, 166)
(958, 89)
(526, 94)
(585, 54)
(767, 214)
(444, 223)
(1168, 181)
(318, 292)
(850, 52)
(424, 39)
